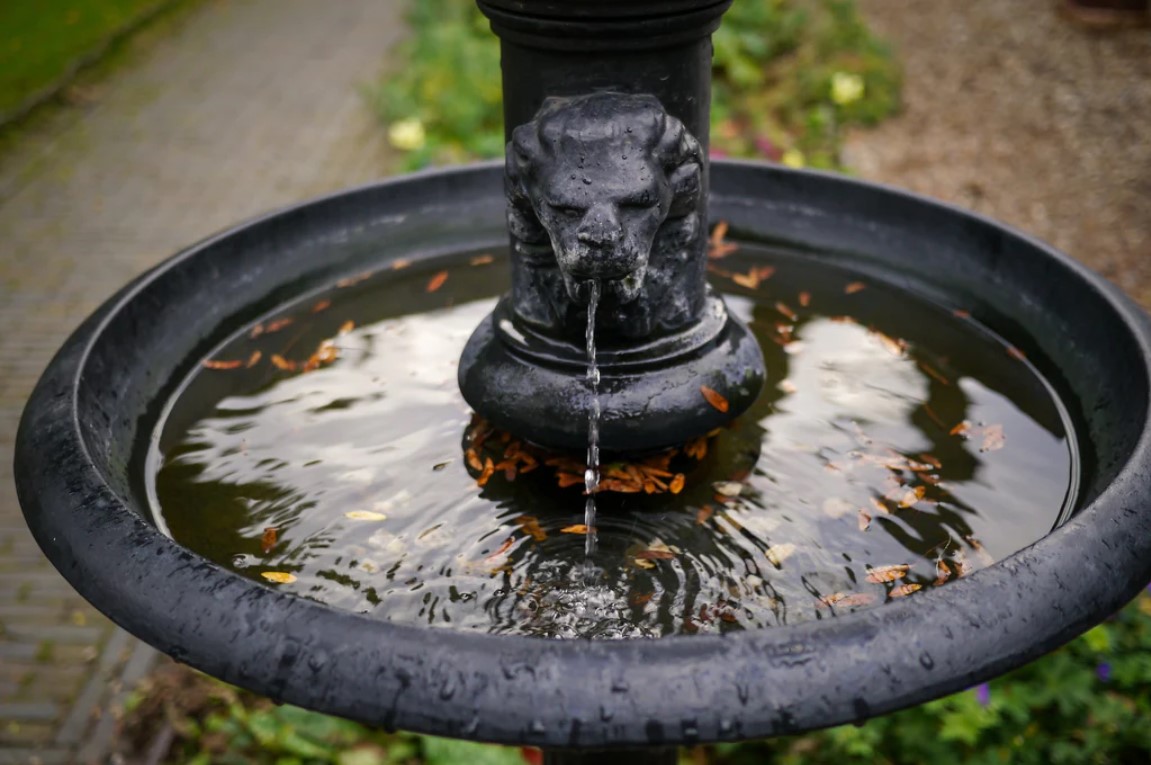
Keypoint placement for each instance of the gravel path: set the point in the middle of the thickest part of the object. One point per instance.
(1013, 112)
(244, 106)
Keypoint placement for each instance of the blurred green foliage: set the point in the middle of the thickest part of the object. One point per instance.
(788, 76)
(41, 41)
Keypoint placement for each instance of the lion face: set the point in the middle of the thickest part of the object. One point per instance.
(602, 206)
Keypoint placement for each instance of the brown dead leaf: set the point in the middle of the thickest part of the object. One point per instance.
(502, 548)
(278, 324)
(436, 281)
(942, 573)
(931, 459)
(847, 600)
(703, 514)
(911, 496)
(993, 439)
(960, 429)
(903, 590)
(531, 526)
(349, 281)
(714, 398)
(1015, 353)
(785, 309)
(221, 364)
(894, 346)
(959, 313)
(473, 458)
(854, 287)
(254, 359)
(655, 555)
(882, 574)
(717, 247)
(754, 277)
(578, 528)
(486, 474)
(864, 519)
(322, 305)
(804, 299)
(279, 362)
(481, 260)
(696, 448)
(346, 327)
(268, 539)
(677, 482)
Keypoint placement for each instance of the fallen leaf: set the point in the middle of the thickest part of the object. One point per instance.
(486, 474)
(911, 496)
(881, 574)
(349, 281)
(400, 264)
(365, 515)
(220, 364)
(703, 514)
(959, 313)
(346, 327)
(785, 309)
(904, 590)
(253, 359)
(960, 429)
(896, 347)
(985, 558)
(993, 439)
(714, 398)
(256, 331)
(942, 573)
(655, 555)
(279, 362)
(696, 448)
(481, 260)
(854, 287)
(278, 324)
(754, 277)
(530, 525)
(643, 563)
(440, 465)
(279, 577)
(1015, 353)
(804, 299)
(934, 373)
(931, 459)
(323, 305)
(777, 554)
(268, 540)
(717, 247)
(637, 599)
(864, 519)
(676, 485)
(502, 548)
(847, 600)
(578, 528)
(436, 281)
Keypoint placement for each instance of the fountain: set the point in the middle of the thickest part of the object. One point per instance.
(898, 448)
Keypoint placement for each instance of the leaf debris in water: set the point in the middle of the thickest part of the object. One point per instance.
(993, 438)
(278, 324)
(279, 362)
(436, 281)
(576, 528)
(253, 359)
(754, 277)
(882, 574)
(904, 590)
(481, 260)
(222, 364)
(703, 514)
(279, 577)
(777, 554)
(365, 515)
(728, 488)
(268, 539)
(804, 299)
(854, 287)
(322, 305)
(911, 496)
(531, 525)
(847, 600)
(717, 247)
(1015, 353)
(349, 281)
(714, 398)
(785, 309)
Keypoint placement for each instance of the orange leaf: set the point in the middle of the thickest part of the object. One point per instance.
(854, 287)
(959, 313)
(268, 540)
(531, 525)
(219, 364)
(279, 362)
(346, 327)
(1015, 353)
(696, 448)
(655, 555)
(489, 468)
(474, 461)
(323, 305)
(912, 496)
(436, 281)
(784, 309)
(278, 324)
(481, 260)
(253, 359)
(805, 299)
(349, 281)
(577, 528)
(904, 590)
(714, 398)
(960, 429)
(704, 513)
(881, 574)
(400, 263)
(677, 483)
(502, 549)
(279, 577)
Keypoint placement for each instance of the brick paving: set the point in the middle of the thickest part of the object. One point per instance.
(237, 107)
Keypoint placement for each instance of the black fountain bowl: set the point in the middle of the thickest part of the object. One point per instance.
(79, 484)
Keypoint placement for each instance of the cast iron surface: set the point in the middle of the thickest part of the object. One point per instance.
(100, 396)
(609, 188)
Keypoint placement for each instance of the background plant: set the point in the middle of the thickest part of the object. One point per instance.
(788, 76)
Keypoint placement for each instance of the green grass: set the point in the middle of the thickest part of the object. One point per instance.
(43, 41)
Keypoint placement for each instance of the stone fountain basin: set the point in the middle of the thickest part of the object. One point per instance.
(79, 481)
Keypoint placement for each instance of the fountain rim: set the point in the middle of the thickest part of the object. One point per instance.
(679, 689)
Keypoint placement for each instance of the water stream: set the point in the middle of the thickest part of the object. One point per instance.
(591, 474)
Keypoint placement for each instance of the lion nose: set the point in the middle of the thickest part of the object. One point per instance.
(600, 227)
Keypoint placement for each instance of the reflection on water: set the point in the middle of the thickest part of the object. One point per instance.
(895, 447)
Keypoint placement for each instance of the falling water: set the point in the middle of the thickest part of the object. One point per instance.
(591, 474)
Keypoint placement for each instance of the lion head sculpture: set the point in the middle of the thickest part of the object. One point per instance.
(607, 187)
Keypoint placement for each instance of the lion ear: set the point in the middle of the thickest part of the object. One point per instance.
(521, 152)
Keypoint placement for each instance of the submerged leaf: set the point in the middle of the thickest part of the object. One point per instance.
(436, 281)
(881, 574)
(854, 287)
(365, 515)
(904, 590)
(222, 364)
(578, 528)
(268, 539)
(279, 577)
(714, 398)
